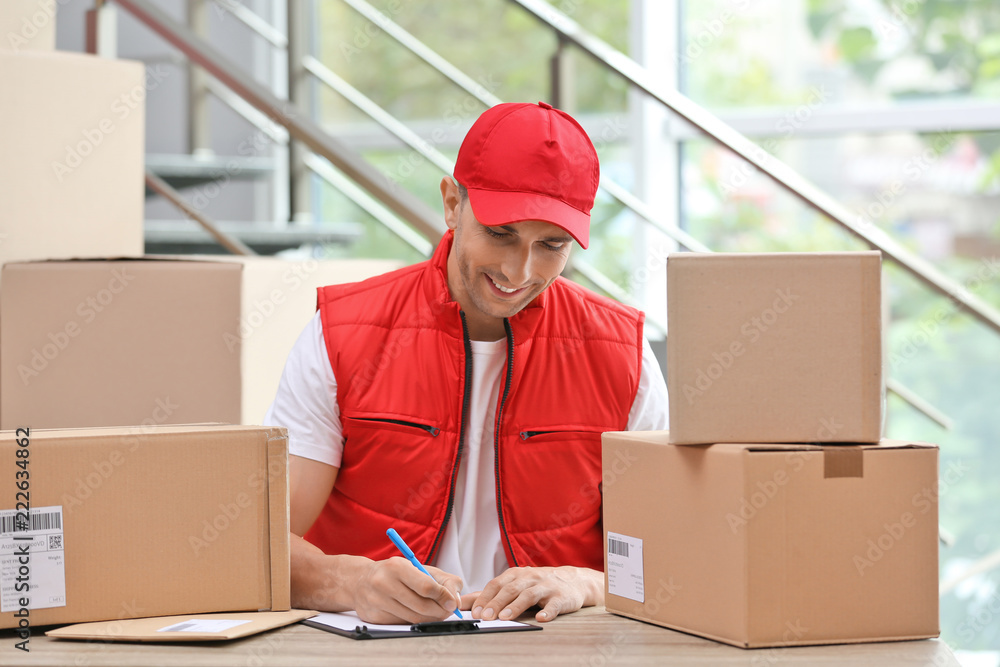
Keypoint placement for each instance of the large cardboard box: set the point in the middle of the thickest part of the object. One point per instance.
(72, 165)
(28, 25)
(153, 340)
(145, 521)
(782, 347)
(773, 545)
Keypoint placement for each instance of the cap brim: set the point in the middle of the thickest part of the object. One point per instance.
(494, 208)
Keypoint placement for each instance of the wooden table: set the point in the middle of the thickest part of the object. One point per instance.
(588, 638)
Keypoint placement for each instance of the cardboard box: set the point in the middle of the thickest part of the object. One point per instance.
(28, 25)
(72, 164)
(144, 341)
(782, 347)
(773, 545)
(147, 521)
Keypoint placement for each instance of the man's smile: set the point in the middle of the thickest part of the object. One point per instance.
(500, 290)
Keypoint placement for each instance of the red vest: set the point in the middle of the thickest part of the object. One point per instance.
(400, 352)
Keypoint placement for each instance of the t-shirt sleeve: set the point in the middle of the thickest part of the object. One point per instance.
(649, 409)
(306, 402)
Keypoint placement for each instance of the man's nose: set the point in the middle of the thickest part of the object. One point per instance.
(516, 266)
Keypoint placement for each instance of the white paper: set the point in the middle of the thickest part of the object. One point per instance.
(625, 567)
(46, 577)
(203, 625)
(348, 620)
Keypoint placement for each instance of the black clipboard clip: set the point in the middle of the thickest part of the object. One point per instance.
(446, 627)
(429, 628)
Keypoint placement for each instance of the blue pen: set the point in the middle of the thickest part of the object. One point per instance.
(408, 554)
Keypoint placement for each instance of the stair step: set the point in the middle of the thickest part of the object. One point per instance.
(186, 236)
(188, 171)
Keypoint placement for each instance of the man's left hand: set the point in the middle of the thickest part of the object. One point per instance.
(557, 590)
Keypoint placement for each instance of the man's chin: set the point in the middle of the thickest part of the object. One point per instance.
(503, 309)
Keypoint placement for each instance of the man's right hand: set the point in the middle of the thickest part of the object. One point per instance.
(386, 591)
(393, 591)
(382, 591)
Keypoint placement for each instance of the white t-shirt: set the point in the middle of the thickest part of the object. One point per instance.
(306, 405)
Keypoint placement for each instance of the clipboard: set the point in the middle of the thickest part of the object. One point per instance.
(347, 624)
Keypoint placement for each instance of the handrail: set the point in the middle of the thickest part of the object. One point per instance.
(284, 114)
(403, 203)
(230, 243)
(488, 99)
(252, 20)
(374, 208)
(984, 565)
(614, 290)
(636, 75)
(920, 403)
(422, 51)
(247, 112)
(380, 115)
(459, 78)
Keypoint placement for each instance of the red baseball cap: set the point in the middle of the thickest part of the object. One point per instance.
(530, 162)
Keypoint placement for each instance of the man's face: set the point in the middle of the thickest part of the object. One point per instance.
(494, 272)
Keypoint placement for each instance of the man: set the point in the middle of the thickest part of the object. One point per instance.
(461, 400)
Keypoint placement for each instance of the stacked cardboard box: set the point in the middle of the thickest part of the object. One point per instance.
(144, 521)
(27, 25)
(775, 348)
(72, 164)
(772, 514)
(165, 340)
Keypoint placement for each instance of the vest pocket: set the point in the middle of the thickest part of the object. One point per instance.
(395, 425)
(553, 434)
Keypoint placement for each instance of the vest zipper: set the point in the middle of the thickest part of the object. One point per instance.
(467, 394)
(531, 434)
(496, 436)
(525, 435)
(431, 430)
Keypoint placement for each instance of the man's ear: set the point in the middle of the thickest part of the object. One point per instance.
(452, 201)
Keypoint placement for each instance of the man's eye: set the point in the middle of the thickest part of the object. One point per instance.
(554, 247)
(495, 234)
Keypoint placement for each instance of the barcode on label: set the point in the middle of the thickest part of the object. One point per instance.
(180, 627)
(617, 547)
(44, 521)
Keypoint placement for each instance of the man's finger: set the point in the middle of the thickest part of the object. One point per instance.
(429, 609)
(468, 599)
(492, 607)
(452, 582)
(551, 609)
(424, 591)
(494, 586)
(526, 598)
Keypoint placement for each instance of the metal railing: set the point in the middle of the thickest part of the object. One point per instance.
(299, 126)
(162, 188)
(378, 195)
(630, 201)
(783, 175)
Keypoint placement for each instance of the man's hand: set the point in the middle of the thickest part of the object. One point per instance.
(388, 591)
(393, 591)
(385, 591)
(558, 590)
